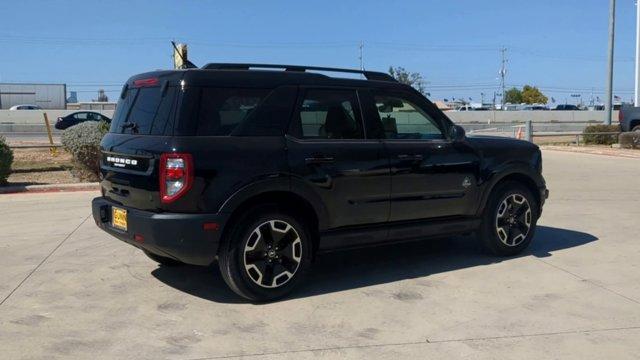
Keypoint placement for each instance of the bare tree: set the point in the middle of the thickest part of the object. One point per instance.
(410, 78)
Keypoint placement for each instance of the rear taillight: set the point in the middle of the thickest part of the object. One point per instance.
(176, 176)
(620, 115)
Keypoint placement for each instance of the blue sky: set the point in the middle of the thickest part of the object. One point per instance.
(558, 45)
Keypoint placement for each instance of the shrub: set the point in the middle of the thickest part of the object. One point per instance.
(591, 138)
(6, 158)
(630, 140)
(83, 142)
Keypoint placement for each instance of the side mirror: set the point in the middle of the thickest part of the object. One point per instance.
(457, 133)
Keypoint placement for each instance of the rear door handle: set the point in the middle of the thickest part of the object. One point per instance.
(319, 159)
(414, 157)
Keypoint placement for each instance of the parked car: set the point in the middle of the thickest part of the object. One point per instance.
(25, 107)
(513, 107)
(471, 108)
(629, 118)
(78, 117)
(535, 108)
(263, 169)
(567, 107)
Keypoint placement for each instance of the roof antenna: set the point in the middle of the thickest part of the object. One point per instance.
(182, 53)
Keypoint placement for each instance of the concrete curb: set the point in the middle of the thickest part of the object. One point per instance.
(49, 188)
(622, 153)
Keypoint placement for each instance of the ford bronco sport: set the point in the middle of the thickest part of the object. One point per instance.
(260, 167)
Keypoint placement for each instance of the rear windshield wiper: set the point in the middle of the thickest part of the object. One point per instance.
(130, 125)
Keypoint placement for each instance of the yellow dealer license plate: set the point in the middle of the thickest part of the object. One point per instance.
(119, 218)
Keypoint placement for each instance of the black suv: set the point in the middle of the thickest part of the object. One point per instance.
(263, 166)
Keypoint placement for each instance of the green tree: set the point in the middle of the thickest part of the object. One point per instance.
(513, 96)
(409, 78)
(532, 95)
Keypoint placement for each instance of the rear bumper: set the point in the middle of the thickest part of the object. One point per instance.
(178, 236)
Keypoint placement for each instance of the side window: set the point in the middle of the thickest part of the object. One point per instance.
(401, 119)
(222, 110)
(330, 114)
(80, 116)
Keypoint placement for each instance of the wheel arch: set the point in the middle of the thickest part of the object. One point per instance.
(282, 200)
(518, 175)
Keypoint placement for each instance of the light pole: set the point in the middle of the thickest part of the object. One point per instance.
(637, 92)
(609, 92)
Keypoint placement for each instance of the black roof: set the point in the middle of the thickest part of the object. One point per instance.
(369, 75)
(261, 75)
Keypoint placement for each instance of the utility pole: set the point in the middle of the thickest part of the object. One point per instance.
(503, 74)
(637, 92)
(361, 57)
(609, 92)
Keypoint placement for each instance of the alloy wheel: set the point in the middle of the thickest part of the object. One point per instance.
(272, 254)
(513, 220)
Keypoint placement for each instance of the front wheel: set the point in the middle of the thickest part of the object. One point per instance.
(510, 219)
(266, 255)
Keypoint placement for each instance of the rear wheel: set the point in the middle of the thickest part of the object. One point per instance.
(510, 219)
(162, 260)
(636, 128)
(266, 255)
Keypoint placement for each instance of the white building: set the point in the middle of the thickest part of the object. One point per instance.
(46, 96)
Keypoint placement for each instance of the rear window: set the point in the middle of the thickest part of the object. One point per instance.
(145, 111)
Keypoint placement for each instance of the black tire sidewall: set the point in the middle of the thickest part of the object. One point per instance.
(233, 262)
(489, 235)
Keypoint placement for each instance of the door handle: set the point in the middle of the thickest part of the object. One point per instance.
(319, 159)
(414, 157)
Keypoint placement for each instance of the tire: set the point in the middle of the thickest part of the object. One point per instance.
(636, 128)
(162, 260)
(266, 254)
(510, 218)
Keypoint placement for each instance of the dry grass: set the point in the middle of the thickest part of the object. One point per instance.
(39, 159)
(39, 166)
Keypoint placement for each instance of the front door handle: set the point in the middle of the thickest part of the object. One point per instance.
(413, 157)
(319, 159)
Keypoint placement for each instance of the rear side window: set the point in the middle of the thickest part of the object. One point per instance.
(223, 110)
(145, 111)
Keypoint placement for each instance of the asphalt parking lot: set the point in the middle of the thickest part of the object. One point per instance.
(68, 290)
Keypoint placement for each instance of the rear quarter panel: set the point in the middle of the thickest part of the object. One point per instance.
(223, 166)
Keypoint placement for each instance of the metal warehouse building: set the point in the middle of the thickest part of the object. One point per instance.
(47, 96)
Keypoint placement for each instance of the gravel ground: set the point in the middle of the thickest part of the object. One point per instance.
(39, 166)
(42, 177)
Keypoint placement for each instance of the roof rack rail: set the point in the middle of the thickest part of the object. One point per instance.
(369, 75)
